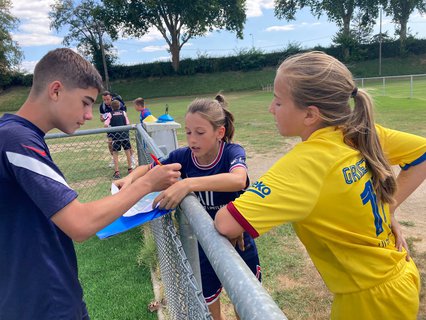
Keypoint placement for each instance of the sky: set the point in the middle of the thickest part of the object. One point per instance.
(262, 31)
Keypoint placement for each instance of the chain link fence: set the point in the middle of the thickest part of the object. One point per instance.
(86, 161)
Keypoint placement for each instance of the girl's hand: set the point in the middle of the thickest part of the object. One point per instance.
(238, 241)
(172, 196)
(399, 238)
(123, 183)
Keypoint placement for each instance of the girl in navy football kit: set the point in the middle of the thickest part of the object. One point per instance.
(213, 168)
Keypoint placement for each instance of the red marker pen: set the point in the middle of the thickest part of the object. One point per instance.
(155, 159)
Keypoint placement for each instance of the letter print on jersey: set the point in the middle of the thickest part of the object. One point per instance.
(206, 198)
(368, 195)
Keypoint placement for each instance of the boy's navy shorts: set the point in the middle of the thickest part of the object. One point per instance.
(117, 144)
(212, 287)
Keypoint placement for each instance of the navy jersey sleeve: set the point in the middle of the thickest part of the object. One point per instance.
(28, 166)
(236, 156)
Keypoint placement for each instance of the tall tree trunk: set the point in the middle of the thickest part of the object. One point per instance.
(101, 44)
(402, 36)
(347, 33)
(175, 51)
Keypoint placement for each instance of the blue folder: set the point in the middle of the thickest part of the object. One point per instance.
(123, 224)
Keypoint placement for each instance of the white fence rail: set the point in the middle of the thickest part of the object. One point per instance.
(405, 86)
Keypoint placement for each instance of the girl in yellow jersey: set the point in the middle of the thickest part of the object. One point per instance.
(338, 189)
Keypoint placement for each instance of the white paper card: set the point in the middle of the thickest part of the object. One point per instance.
(144, 205)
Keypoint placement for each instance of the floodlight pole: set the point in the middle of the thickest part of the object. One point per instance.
(252, 40)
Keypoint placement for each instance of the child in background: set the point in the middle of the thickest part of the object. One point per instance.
(120, 139)
(338, 189)
(104, 109)
(145, 113)
(215, 169)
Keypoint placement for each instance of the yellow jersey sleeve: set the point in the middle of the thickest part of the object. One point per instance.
(401, 148)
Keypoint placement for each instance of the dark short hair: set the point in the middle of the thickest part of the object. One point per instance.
(139, 101)
(67, 66)
(106, 93)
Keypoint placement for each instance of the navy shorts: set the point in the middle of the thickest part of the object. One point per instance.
(212, 287)
(117, 144)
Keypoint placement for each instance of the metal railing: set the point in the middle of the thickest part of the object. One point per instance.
(405, 86)
(84, 158)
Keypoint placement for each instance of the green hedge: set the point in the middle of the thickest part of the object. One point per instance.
(245, 60)
(253, 59)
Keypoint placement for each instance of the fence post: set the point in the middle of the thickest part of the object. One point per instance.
(411, 87)
(190, 245)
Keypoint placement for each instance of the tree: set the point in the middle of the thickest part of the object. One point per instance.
(177, 20)
(10, 53)
(340, 12)
(87, 29)
(361, 30)
(400, 11)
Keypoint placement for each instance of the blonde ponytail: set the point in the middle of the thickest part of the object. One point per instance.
(360, 133)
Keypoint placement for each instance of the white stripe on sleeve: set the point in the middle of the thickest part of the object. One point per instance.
(34, 165)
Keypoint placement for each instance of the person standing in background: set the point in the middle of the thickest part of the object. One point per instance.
(105, 108)
(120, 139)
(145, 113)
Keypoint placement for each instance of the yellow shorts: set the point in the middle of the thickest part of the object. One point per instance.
(398, 299)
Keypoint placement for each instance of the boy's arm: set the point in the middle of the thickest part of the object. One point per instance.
(135, 174)
(82, 220)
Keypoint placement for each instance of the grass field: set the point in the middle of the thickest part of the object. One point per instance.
(198, 84)
(117, 288)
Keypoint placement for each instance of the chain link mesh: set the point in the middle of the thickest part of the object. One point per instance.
(184, 299)
(87, 164)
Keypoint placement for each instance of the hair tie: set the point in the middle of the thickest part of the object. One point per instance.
(354, 92)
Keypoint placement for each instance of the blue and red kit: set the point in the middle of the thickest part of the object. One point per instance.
(38, 268)
(229, 157)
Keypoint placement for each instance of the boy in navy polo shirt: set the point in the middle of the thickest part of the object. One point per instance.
(40, 215)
